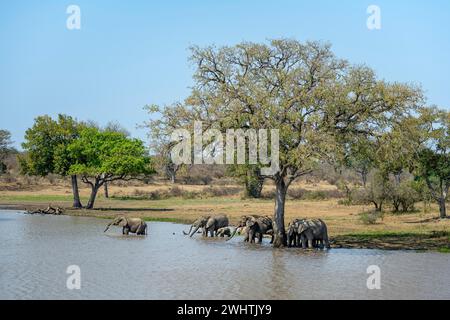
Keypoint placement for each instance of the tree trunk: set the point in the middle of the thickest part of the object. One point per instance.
(280, 200)
(76, 194)
(106, 190)
(442, 208)
(364, 174)
(93, 196)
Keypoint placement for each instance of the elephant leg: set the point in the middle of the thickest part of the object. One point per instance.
(125, 230)
(304, 243)
(310, 243)
(321, 243)
(260, 238)
(327, 243)
(251, 237)
(211, 232)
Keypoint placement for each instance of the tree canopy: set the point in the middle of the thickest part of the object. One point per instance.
(314, 99)
(105, 156)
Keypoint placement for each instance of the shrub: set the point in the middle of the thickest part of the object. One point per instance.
(296, 193)
(268, 194)
(221, 191)
(405, 195)
(371, 217)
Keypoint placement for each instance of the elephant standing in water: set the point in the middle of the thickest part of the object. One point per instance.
(293, 238)
(133, 225)
(313, 232)
(256, 227)
(210, 224)
(227, 231)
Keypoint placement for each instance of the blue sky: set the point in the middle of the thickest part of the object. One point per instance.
(131, 53)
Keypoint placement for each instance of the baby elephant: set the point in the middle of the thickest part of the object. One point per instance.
(226, 231)
(133, 225)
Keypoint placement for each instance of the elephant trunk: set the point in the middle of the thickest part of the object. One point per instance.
(233, 234)
(195, 231)
(107, 227)
(186, 233)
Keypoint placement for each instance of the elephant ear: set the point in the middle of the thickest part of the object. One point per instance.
(123, 222)
(250, 223)
(302, 227)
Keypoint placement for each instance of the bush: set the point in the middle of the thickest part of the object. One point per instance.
(268, 194)
(371, 217)
(296, 193)
(405, 196)
(221, 192)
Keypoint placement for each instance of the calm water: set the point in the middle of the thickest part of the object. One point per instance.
(35, 252)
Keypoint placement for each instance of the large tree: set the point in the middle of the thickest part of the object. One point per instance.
(314, 99)
(45, 149)
(101, 157)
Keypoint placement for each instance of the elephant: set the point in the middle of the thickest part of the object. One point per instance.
(313, 232)
(133, 225)
(226, 231)
(255, 227)
(210, 224)
(293, 238)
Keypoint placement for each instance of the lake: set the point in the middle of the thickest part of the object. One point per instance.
(35, 252)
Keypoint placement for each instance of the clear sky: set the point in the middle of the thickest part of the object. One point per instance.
(131, 53)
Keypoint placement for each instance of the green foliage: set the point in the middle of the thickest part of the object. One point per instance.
(318, 102)
(371, 217)
(250, 177)
(46, 145)
(97, 153)
(405, 195)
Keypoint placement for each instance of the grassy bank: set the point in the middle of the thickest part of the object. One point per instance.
(419, 230)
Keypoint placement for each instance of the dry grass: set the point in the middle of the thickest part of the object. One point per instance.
(340, 219)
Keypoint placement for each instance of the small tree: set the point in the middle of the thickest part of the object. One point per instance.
(5, 148)
(428, 136)
(160, 127)
(434, 168)
(378, 191)
(100, 157)
(46, 149)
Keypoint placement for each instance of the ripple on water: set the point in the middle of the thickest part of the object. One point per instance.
(35, 252)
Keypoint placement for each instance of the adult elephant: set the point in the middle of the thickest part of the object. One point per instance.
(133, 225)
(210, 224)
(313, 231)
(256, 227)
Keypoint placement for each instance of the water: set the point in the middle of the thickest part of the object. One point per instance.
(35, 252)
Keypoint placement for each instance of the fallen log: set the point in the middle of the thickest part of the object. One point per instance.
(48, 211)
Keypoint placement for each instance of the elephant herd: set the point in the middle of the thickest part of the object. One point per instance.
(305, 233)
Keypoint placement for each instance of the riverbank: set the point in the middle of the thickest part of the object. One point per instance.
(415, 231)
